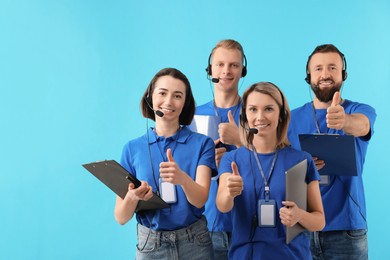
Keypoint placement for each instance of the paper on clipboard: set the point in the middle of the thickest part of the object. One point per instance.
(117, 178)
(296, 190)
(337, 151)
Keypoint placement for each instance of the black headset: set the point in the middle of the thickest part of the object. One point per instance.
(283, 111)
(344, 73)
(243, 72)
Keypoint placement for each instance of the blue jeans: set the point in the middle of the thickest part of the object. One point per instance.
(191, 243)
(221, 243)
(343, 244)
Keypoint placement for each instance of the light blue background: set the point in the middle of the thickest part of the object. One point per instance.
(72, 74)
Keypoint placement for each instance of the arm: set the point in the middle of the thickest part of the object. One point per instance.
(124, 208)
(353, 124)
(230, 186)
(196, 191)
(313, 219)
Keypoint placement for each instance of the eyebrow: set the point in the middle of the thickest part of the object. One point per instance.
(164, 89)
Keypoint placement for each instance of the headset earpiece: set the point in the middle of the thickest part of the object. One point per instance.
(344, 73)
(243, 72)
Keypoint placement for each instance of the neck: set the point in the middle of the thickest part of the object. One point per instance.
(265, 145)
(166, 130)
(323, 105)
(226, 100)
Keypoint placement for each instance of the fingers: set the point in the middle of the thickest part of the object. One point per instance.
(235, 169)
(170, 156)
(235, 184)
(231, 118)
(336, 99)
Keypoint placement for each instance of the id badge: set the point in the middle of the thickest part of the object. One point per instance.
(324, 179)
(266, 213)
(168, 191)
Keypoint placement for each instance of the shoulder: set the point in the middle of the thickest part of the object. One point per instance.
(295, 153)
(205, 109)
(301, 109)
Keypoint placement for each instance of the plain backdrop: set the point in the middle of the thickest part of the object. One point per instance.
(72, 73)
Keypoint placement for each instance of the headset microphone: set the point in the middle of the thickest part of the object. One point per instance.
(252, 130)
(157, 112)
(214, 80)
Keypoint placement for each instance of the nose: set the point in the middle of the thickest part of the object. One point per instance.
(259, 115)
(325, 74)
(226, 69)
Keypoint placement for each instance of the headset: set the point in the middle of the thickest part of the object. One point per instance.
(344, 73)
(243, 72)
(283, 112)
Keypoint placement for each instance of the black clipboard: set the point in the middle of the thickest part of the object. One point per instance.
(296, 190)
(117, 178)
(337, 151)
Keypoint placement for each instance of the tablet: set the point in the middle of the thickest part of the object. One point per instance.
(117, 178)
(337, 151)
(296, 190)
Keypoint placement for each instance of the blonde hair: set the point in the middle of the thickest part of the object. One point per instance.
(273, 91)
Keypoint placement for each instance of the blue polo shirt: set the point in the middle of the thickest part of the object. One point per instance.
(218, 221)
(142, 157)
(249, 240)
(343, 198)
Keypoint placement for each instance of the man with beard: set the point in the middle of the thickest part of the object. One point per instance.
(345, 233)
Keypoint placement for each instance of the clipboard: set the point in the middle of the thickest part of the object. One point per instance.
(296, 190)
(205, 124)
(337, 151)
(117, 178)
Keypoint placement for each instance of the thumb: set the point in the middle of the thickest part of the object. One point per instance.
(231, 118)
(336, 99)
(235, 169)
(170, 156)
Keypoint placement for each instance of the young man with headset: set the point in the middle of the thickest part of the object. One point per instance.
(226, 66)
(345, 233)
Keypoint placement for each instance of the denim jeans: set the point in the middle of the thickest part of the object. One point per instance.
(221, 242)
(191, 243)
(343, 244)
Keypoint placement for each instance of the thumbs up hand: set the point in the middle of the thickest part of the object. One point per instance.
(234, 182)
(335, 117)
(171, 172)
(228, 132)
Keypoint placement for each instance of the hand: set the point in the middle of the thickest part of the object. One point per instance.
(228, 132)
(219, 152)
(319, 163)
(143, 192)
(234, 182)
(171, 172)
(335, 117)
(290, 214)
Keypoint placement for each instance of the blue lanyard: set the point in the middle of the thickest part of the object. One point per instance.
(265, 180)
(235, 109)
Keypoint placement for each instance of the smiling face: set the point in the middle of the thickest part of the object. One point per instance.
(326, 75)
(262, 113)
(169, 97)
(227, 67)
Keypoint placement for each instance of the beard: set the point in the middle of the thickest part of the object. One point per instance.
(326, 95)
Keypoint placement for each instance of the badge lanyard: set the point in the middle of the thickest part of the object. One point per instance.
(265, 180)
(315, 119)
